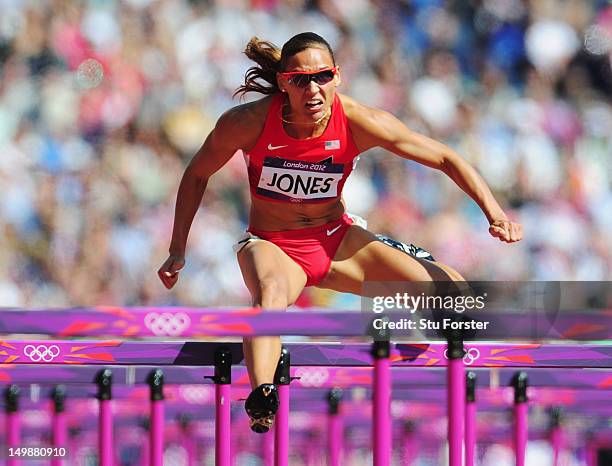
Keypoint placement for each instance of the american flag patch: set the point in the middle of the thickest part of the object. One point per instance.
(331, 145)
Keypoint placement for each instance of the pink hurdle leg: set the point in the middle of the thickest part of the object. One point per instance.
(555, 440)
(145, 452)
(222, 425)
(470, 419)
(223, 380)
(520, 417)
(60, 430)
(456, 401)
(313, 456)
(382, 403)
(334, 427)
(281, 431)
(556, 435)
(591, 454)
(282, 379)
(187, 434)
(409, 444)
(156, 432)
(191, 451)
(13, 431)
(335, 439)
(105, 421)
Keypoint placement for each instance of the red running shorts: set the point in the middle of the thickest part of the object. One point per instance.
(313, 248)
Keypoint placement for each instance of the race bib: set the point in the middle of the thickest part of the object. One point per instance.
(298, 181)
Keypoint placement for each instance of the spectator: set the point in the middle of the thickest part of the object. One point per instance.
(101, 104)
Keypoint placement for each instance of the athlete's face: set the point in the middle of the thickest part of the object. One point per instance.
(310, 95)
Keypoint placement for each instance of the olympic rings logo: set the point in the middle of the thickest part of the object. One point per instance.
(470, 357)
(195, 394)
(312, 377)
(35, 417)
(167, 324)
(42, 353)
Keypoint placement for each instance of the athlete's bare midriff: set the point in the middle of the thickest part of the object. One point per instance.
(278, 216)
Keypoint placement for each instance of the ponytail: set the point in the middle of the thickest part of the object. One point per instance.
(271, 60)
(268, 57)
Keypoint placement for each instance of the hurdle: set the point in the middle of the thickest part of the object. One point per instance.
(399, 394)
(384, 356)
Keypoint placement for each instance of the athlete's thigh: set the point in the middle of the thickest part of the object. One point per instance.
(263, 264)
(362, 258)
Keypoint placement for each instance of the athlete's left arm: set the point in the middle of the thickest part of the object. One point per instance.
(372, 127)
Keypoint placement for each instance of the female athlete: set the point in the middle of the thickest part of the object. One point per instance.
(301, 142)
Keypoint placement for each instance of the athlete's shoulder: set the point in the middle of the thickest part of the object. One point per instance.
(245, 115)
(244, 123)
(364, 121)
(356, 111)
(349, 104)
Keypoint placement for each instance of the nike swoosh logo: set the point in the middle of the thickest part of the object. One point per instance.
(271, 147)
(333, 230)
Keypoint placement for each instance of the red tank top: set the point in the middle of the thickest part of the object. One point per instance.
(285, 169)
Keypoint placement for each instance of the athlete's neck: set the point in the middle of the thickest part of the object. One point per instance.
(303, 129)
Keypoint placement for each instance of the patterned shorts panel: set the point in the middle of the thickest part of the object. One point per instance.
(409, 249)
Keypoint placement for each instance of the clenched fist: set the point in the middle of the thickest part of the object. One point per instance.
(169, 272)
(506, 230)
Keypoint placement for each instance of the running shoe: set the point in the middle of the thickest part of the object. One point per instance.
(261, 406)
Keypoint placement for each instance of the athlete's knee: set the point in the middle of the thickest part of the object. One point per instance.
(452, 274)
(437, 272)
(271, 293)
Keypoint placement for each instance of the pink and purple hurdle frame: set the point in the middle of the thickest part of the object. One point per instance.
(190, 322)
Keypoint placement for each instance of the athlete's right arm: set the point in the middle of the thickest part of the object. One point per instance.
(236, 129)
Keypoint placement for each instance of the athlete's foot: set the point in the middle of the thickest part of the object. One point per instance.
(261, 406)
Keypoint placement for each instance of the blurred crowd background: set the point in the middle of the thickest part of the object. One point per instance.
(103, 103)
